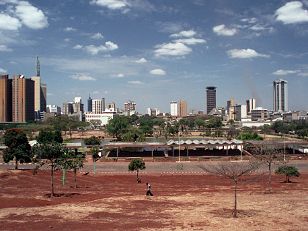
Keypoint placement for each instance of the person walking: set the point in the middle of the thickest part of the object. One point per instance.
(149, 190)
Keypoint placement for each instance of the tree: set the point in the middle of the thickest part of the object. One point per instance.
(136, 165)
(93, 140)
(133, 134)
(71, 160)
(18, 147)
(233, 171)
(48, 136)
(117, 126)
(52, 152)
(269, 156)
(96, 155)
(249, 136)
(288, 171)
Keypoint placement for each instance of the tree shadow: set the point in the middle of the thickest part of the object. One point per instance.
(228, 213)
(69, 195)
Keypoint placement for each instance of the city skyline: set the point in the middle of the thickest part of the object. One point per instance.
(155, 53)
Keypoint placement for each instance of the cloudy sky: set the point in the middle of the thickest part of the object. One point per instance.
(154, 52)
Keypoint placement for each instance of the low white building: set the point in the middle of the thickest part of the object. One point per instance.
(103, 117)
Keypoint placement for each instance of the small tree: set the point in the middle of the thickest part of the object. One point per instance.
(96, 155)
(51, 152)
(268, 156)
(288, 171)
(93, 140)
(233, 171)
(18, 147)
(136, 165)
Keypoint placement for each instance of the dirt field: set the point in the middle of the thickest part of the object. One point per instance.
(180, 202)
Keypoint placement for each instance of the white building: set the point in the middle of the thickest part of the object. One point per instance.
(97, 106)
(259, 114)
(54, 109)
(103, 118)
(250, 104)
(240, 112)
(152, 111)
(280, 96)
(173, 108)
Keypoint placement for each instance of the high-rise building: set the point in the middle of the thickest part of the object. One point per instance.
(97, 106)
(182, 107)
(53, 109)
(210, 98)
(240, 112)
(67, 108)
(22, 99)
(5, 98)
(89, 104)
(130, 108)
(280, 95)
(111, 107)
(173, 108)
(230, 109)
(104, 104)
(250, 104)
(152, 111)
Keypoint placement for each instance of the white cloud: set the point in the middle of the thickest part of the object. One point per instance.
(9, 23)
(111, 4)
(190, 41)
(224, 31)
(97, 36)
(2, 71)
(304, 74)
(141, 60)
(135, 82)
(292, 12)
(94, 50)
(285, 72)
(245, 54)
(249, 20)
(69, 29)
(67, 40)
(172, 49)
(120, 75)
(83, 77)
(184, 33)
(31, 16)
(77, 47)
(157, 72)
(5, 48)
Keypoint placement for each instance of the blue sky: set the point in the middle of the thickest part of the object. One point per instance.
(154, 52)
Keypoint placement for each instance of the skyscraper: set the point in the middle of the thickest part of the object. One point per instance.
(22, 99)
(89, 104)
(173, 108)
(40, 90)
(5, 98)
(250, 104)
(97, 106)
(182, 108)
(280, 95)
(210, 98)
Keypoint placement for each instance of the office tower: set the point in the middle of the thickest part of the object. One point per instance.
(240, 112)
(104, 104)
(210, 98)
(152, 111)
(53, 109)
(67, 108)
(78, 105)
(280, 95)
(250, 104)
(230, 109)
(173, 108)
(97, 106)
(130, 106)
(5, 98)
(40, 90)
(182, 107)
(89, 104)
(259, 114)
(111, 106)
(22, 99)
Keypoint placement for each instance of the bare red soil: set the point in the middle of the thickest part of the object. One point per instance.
(180, 202)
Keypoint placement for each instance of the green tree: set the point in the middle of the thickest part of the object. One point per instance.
(18, 147)
(136, 165)
(52, 153)
(133, 134)
(288, 171)
(48, 136)
(93, 140)
(71, 160)
(249, 136)
(117, 126)
(96, 155)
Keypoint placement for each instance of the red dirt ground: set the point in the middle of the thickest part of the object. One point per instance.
(180, 202)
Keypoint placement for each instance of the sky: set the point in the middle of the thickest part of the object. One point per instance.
(154, 52)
